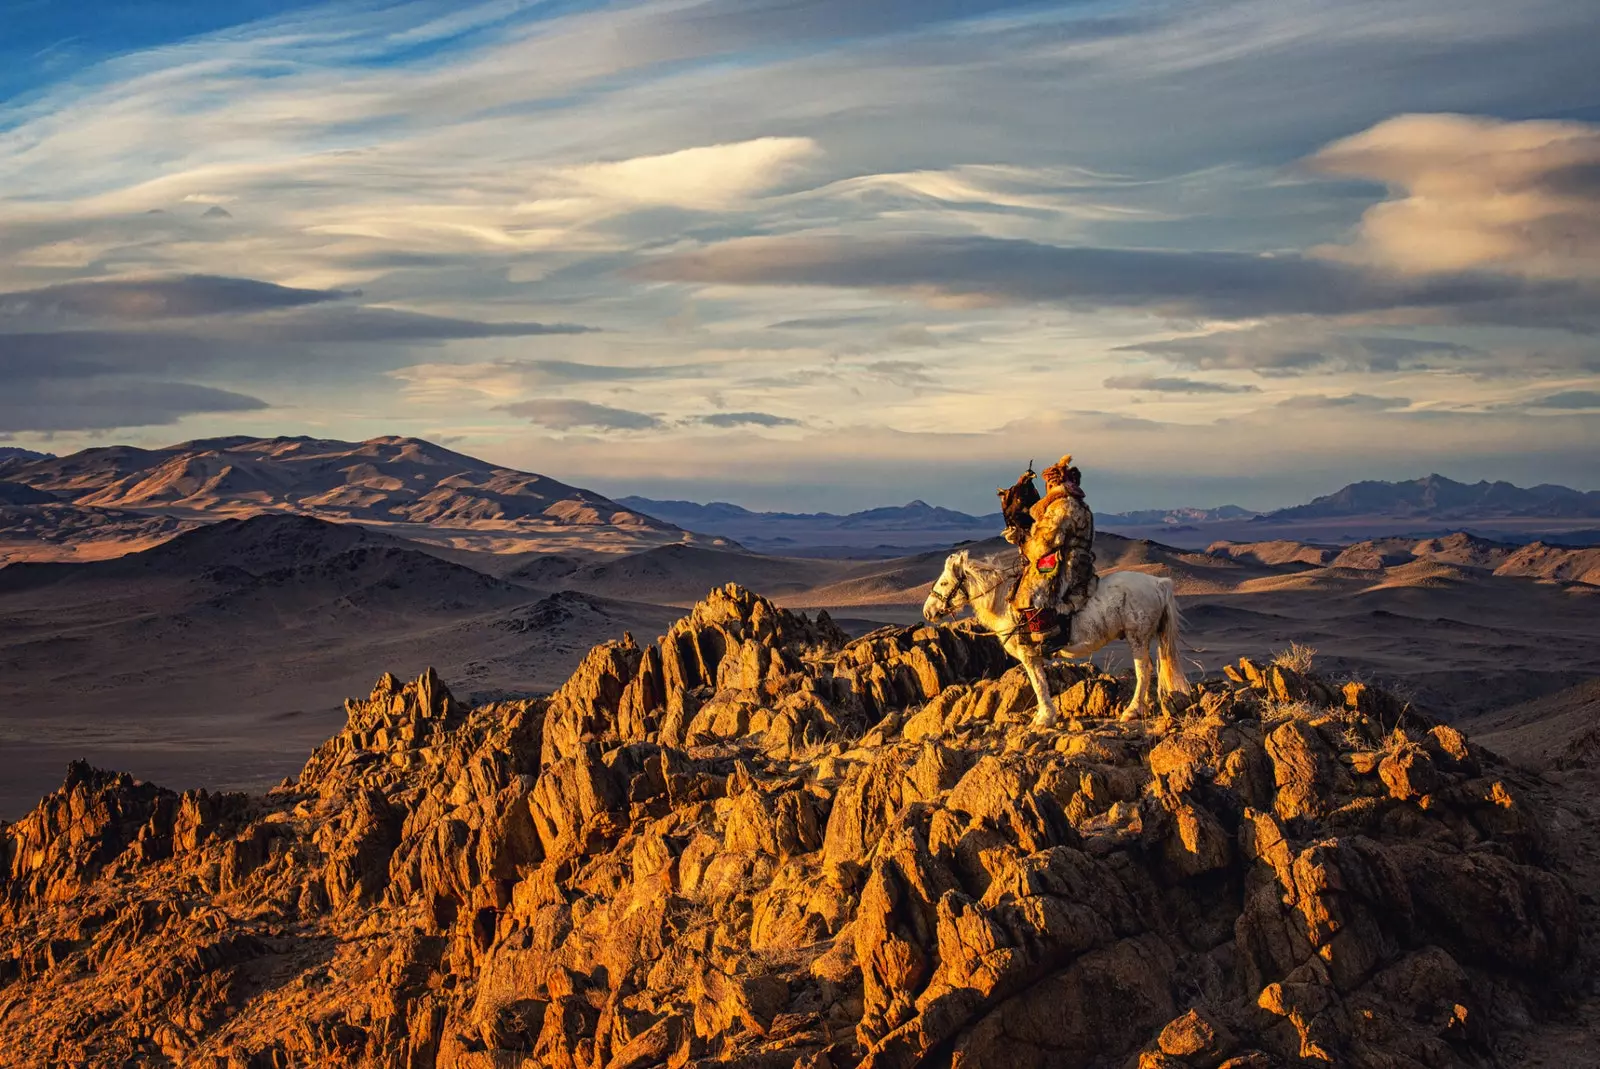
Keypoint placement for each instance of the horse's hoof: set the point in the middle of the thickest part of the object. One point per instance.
(1129, 714)
(1044, 720)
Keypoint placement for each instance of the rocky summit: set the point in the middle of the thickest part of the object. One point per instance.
(757, 843)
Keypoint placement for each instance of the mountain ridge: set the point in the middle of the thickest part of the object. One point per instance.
(1436, 497)
(381, 478)
(106, 500)
(418, 488)
(913, 511)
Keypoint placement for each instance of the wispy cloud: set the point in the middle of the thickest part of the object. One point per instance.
(59, 404)
(1210, 283)
(1574, 400)
(569, 415)
(140, 300)
(1171, 384)
(746, 419)
(1363, 401)
(706, 177)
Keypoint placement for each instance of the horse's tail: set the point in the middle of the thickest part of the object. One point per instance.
(1170, 678)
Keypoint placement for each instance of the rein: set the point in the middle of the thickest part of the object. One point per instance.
(945, 599)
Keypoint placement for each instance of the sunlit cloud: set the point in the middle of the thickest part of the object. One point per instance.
(706, 177)
(1475, 193)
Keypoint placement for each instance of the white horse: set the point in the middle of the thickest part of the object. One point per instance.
(1127, 605)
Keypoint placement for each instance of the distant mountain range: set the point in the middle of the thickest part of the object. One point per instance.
(912, 516)
(107, 501)
(1435, 497)
(383, 479)
(430, 492)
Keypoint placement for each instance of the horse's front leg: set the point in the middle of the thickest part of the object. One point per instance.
(1046, 714)
(1033, 666)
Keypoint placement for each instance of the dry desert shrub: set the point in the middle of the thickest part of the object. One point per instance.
(1297, 658)
(1276, 712)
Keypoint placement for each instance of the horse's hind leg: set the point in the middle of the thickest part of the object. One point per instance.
(1140, 701)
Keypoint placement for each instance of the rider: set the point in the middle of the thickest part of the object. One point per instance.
(1058, 553)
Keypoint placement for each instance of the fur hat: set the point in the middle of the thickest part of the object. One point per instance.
(1058, 472)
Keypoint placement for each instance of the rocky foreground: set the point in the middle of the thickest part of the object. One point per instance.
(755, 843)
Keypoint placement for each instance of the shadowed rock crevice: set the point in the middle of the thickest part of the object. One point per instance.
(756, 843)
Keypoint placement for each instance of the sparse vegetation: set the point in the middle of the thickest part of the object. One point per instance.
(1353, 737)
(1275, 712)
(1297, 658)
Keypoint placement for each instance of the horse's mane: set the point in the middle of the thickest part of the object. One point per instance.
(1006, 563)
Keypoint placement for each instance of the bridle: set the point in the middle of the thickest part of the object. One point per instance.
(947, 599)
(945, 606)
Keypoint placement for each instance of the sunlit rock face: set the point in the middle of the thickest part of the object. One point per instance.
(756, 843)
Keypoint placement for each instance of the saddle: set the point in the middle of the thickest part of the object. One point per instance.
(1050, 628)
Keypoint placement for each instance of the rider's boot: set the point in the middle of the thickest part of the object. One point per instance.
(1059, 634)
(1044, 627)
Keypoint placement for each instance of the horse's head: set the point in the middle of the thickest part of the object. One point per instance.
(949, 594)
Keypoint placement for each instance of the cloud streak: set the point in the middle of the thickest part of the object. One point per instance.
(55, 405)
(142, 300)
(571, 415)
(1170, 384)
(1577, 400)
(1211, 283)
(746, 419)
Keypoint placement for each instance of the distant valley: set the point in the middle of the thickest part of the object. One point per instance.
(217, 656)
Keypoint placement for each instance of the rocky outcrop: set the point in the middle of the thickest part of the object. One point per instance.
(756, 843)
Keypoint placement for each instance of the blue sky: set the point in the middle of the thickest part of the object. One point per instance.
(46, 41)
(811, 253)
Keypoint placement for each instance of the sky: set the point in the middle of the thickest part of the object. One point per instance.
(817, 254)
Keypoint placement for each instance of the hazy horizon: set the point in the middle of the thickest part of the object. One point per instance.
(966, 492)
